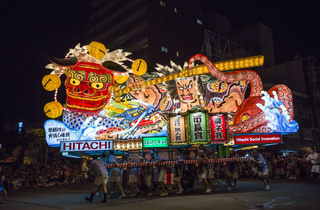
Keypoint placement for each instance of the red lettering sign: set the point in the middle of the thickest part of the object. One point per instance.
(218, 129)
(257, 139)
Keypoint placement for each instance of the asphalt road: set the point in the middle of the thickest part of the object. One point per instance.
(251, 194)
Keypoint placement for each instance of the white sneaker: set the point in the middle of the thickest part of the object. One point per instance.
(132, 195)
(268, 187)
(229, 189)
(207, 191)
(122, 196)
(164, 194)
(180, 192)
(235, 186)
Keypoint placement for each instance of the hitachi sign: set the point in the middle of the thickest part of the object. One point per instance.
(72, 146)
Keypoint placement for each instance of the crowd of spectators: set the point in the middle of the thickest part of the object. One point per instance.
(34, 176)
(280, 167)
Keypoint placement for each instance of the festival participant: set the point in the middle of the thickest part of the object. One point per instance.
(2, 190)
(262, 168)
(84, 170)
(315, 161)
(178, 170)
(232, 170)
(201, 158)
(101, 173)
(115, 174)
(133, 174)
(211, 155)
(187, 172)
(147, 173)
(162, 173)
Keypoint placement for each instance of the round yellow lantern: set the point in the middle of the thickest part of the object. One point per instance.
(53, 109)
(51, 82)
(97, 50)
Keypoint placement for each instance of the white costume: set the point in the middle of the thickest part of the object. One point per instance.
(315, 160)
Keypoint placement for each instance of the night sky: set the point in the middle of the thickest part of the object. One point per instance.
(33, 30)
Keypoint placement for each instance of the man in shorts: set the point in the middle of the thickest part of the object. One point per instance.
(101, 173)
(147, 173)
(262, 168)
(133, 174)
(162, 173)
(179, 171)
(201, 158)
(115, 174)
(232, 170)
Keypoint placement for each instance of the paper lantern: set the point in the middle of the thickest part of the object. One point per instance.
(51, 82)
(97, 50)
(53, 109)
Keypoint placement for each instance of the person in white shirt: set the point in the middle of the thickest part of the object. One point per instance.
(147, 173)
(84, 170)
(262, 168)
(315, 161)
(133, 174)
(201, 158)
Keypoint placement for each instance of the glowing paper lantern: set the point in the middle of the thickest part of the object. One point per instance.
(97, 50)
(51, 82)
(53, 109)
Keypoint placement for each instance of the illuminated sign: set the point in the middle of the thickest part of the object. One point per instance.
(218, 129)
(73, 146)
(258, 139)
(177, 132)
(155, 142)
(198, 128)
(132, 144)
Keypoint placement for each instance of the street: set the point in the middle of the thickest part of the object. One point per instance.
(251, 194)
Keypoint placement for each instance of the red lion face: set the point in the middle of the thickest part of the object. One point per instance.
(88, 87)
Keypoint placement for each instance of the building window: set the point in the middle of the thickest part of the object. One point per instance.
(177, 54)
(199, 21)
(164, 49)
(307, 133)
(294, 135)
(162, 3)
(304, 112)
(175, 10)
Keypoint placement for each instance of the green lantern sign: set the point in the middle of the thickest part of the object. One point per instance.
(155, 142)
(198, 127)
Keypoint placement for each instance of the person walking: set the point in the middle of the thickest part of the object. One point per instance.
(178, 170)
(232, 170)
(115, 174)
(101, 173)
(262, 168)
(147, 174)
(201, 158)
(84, 170)
(133, 174)
(315, 161)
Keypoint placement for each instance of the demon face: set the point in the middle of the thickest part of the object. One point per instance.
(88, 87)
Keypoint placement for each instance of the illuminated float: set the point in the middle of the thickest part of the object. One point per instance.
(177, 106)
